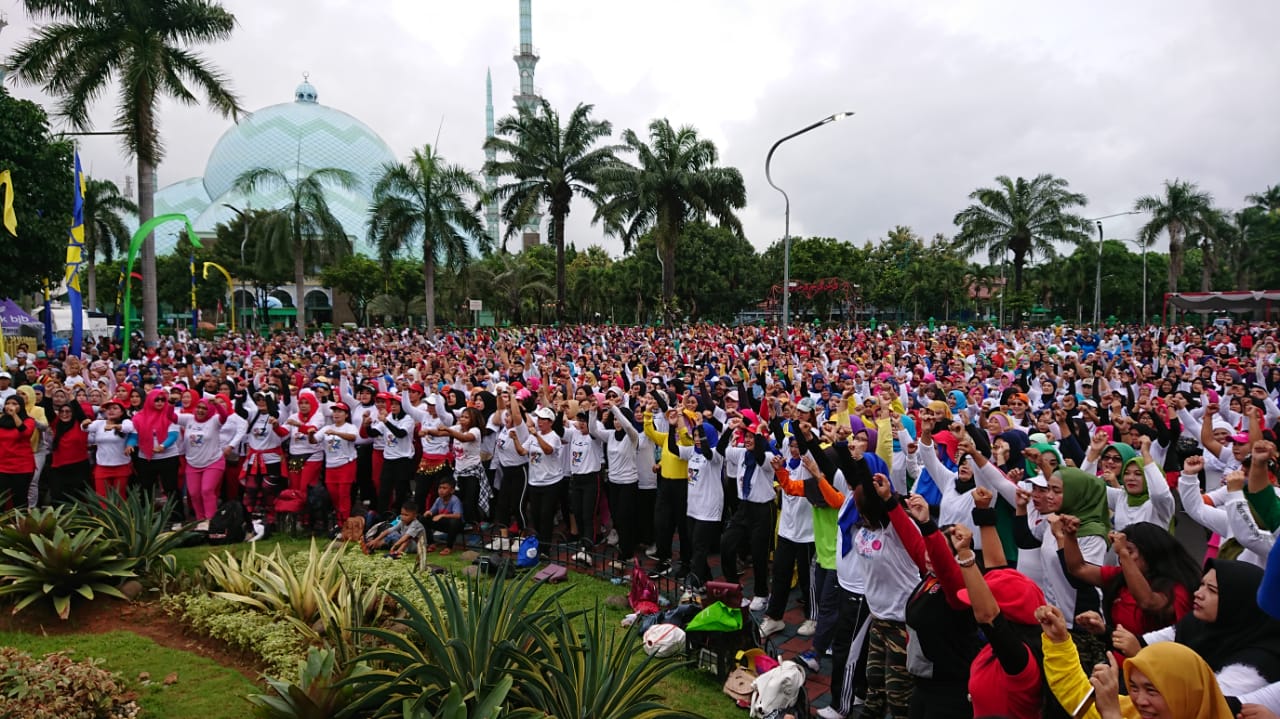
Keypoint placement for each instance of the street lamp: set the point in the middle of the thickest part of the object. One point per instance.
(1097, 289)
(786, 231)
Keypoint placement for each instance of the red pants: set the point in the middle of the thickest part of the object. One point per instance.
(231, 480)
(309, 475)
(106, 478)
(377, 472)
(338, 481)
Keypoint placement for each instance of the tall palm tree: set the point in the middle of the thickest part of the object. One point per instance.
(84, 46)
(1183, 209)
(515, 283)
(303, 229)
(1022, 217)
(105, 232)
(425, 200)
(1268, 199)
(676, 181)
(548, 162)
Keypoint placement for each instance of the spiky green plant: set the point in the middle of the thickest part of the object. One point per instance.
(318, 693)
(60, 567)
(139, 529)
(455, 706)
(584, 667)
(471, 643)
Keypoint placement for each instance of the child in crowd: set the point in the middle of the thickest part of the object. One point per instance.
(402, 535)
(445, 516)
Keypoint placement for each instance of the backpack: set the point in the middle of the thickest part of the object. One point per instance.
(290, 501)
(227, 525)
(528, 554)
(375, 529)
(643, 596)
(317, 505)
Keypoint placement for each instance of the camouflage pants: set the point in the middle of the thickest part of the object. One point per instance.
(889, 685)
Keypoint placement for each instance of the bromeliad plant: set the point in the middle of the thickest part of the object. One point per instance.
(139, 529)
(61, 566)
(470, 639)
(318, 694)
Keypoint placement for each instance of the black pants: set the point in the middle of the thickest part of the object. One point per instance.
(67, 482)
(14, 487)
(704, 535)
(393, 490)
(584, 495)
(646, 500)
(260, 489)
(364, 488)
(543, 502)
(939, 699)
(849, 651)
(730, 487)
(623, 507)
(469, 491)
(751, 524)
(162, 472)
(789, 557)
(670, 513)
(451, 526)
(511, 497)
(424, 486)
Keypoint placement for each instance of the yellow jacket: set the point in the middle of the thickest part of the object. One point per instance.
(670, 465)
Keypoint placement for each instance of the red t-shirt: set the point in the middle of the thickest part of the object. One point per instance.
(1125, 611)
(73, 447)
(995, 693)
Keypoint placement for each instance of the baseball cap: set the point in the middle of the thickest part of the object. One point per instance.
(5, 375)
(805, 405)
(545, 413)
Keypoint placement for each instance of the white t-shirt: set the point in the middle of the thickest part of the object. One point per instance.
(584, 451)
(299, 443)
(202, 440)
(706, 492)
(504, 447)
(466, 454)
(337, 451)
(544, 467)
(111, 444)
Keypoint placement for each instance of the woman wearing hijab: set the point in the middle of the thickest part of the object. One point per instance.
(306, 458)
(69, 472)
(1226, 627)
(17, 458)
(260, 473)
(1143, 494)
(156, 460)
(114, 437)
(36, 412)
(1164, 681)
(206, 462)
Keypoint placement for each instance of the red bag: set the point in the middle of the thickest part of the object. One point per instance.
(643, 596)
(728, 592)
(291, 501)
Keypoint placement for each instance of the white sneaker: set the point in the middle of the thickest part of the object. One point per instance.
(769, 625)
(758, 604)
(499, 544)
(582, 557)
(651, 552)
(807, 628)
(829, 713)
(259, 530)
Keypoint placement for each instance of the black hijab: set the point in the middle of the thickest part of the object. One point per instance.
(1242, 633)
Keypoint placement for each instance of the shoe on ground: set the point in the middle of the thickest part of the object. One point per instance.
(659, 570)
(651, 552)
(769, 625)
(675, 571)
(807, 628)
(582, 558)
(810, 660)
(829, 713)
(758, 604)
(499, 544)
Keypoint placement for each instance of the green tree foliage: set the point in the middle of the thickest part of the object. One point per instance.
(1021, 217)
(42, 182)
(675, 181)
(426, 201)
(304, 229)
(83, 47)
(549, 162)
(516, 287)
(1183, 209)
(360, 279)
(105, 232)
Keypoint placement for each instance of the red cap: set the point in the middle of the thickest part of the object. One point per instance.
(1015, 593)
(342, 406)
(417, 387)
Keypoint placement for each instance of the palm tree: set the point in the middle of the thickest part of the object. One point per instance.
(84, 46)
(425, 200)
(304, 229)
(675, 182)
(1021, 217)
(1268, 199)
(105, 231)
(548, 162)
(1183, 209)
(516, 283)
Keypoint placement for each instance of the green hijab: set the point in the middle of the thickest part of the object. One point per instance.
(1084, 496)
(1134, 500)
(1043, 447)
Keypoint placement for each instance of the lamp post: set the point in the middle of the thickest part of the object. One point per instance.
(1142, 246)
(786, 231)
(1097, 289)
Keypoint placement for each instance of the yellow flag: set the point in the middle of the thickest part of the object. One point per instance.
(10, 217)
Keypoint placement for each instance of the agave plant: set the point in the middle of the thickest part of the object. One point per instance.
(139, 529)
(18, 526)
(61, 566)
(455, 705)
(471, 644)
(318, 694)
(584, 667)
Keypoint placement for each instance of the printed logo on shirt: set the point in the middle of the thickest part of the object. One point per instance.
(577, 456)
(867, 542)
(260, 431)
(195, 439)
(334, 444)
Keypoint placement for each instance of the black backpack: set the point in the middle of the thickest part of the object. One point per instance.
(228, 525)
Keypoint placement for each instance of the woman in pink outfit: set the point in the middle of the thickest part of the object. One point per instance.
(205, 460)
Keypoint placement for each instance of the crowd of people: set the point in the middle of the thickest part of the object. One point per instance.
(980, 521)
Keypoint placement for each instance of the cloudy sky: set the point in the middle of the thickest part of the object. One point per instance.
(1114, 97)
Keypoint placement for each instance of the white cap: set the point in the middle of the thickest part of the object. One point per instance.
(5, 375)
(545, 413)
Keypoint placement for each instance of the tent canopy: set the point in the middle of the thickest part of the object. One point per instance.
(1246, 301)
(12, 317)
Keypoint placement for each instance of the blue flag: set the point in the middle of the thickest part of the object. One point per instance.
(75, 258)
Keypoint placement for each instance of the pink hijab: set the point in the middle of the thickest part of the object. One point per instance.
(151, 424)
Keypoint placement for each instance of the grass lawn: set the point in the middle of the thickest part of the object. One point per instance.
(205, 689)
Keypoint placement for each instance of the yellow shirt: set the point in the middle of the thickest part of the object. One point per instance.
(670, 465)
